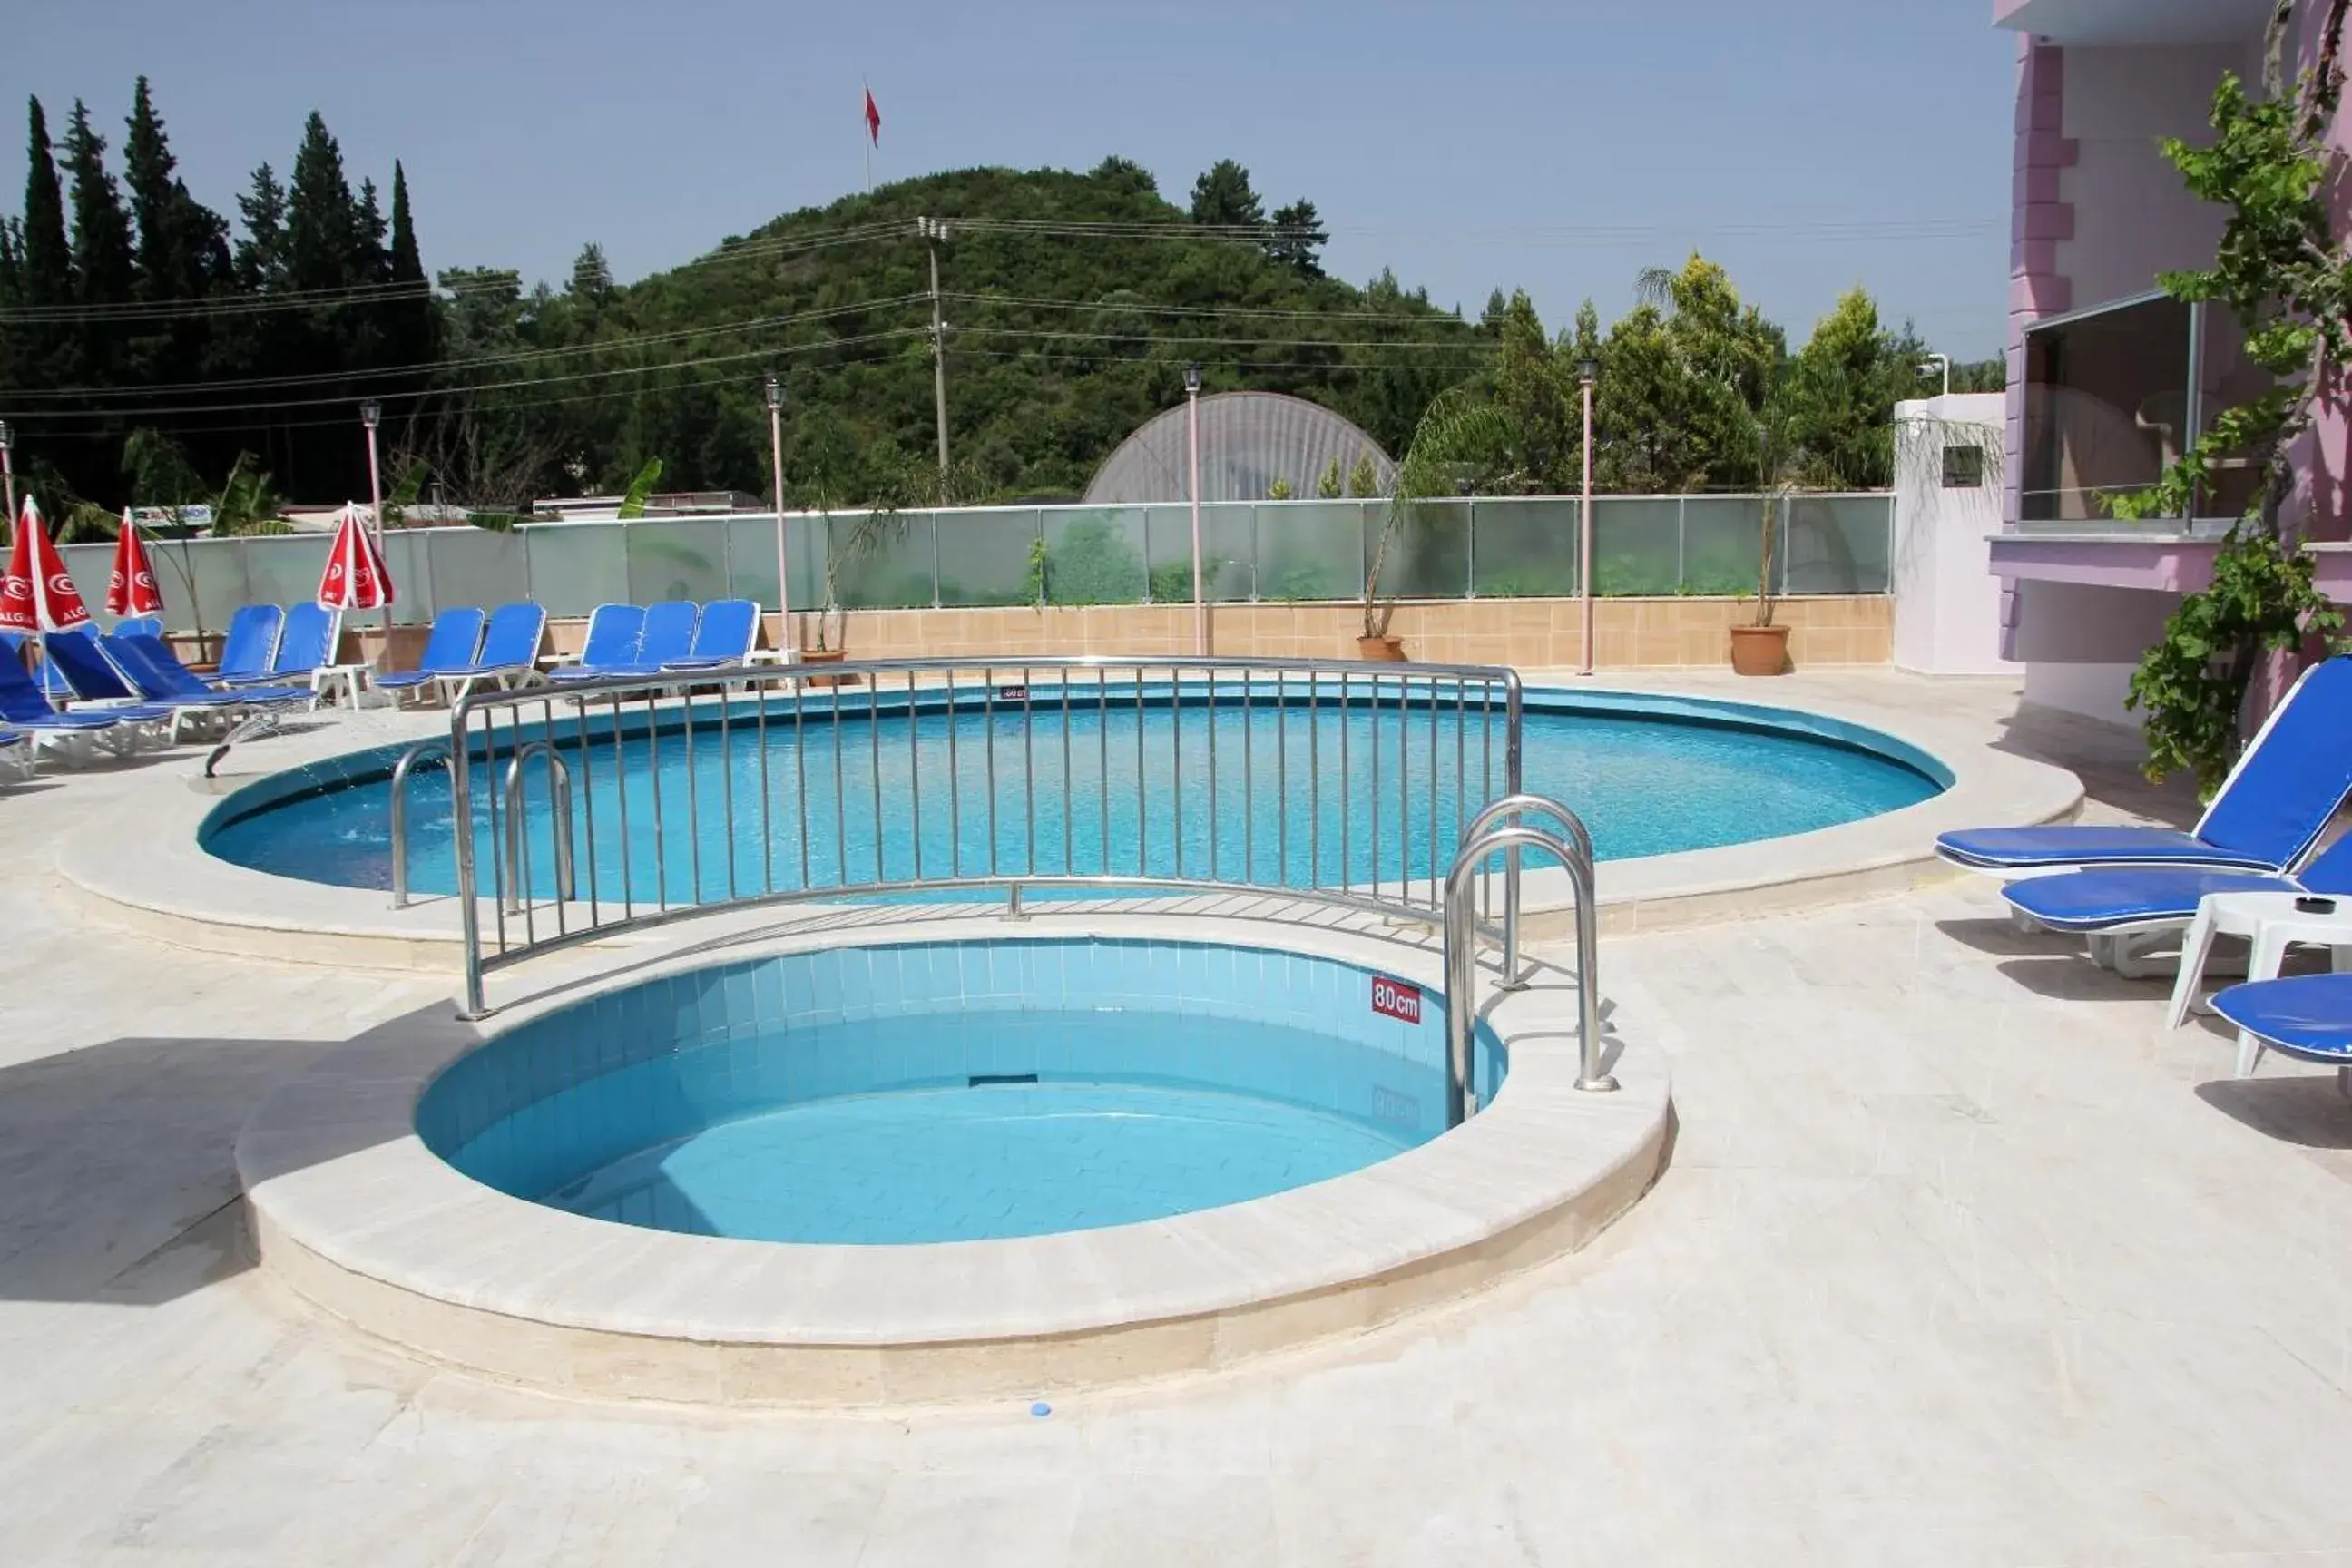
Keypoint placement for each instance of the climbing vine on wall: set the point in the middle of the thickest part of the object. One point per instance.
(2285, 276)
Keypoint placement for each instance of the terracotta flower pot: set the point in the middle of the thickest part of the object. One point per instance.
(824, 656)
(1387, 650)
(1760, 651)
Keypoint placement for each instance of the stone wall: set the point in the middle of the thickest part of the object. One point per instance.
(1531, 633)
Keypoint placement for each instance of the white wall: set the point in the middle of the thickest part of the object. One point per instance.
(1947, 601)
(2080, 644)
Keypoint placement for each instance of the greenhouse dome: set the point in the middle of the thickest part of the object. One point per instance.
(1251, 442)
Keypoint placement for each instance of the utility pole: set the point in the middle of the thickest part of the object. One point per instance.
(934, 231)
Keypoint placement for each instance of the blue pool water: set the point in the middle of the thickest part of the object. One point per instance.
(948, 1092)
(877, 797)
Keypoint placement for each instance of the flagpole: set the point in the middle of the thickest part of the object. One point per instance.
(867, 125)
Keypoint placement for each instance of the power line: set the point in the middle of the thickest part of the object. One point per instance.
(346, 400)
(432, 367)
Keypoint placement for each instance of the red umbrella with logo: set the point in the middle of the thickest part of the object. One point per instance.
(131, 587)
(356, 577)
(37, 596)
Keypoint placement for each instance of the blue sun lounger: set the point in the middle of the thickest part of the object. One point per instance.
(160, 677)
(23, 708)
(2307, 1017)
(509, 656)
(722, 638)
(306, 647)
(610, 648)
(668, 636)
(2271, 809)
(451, 644)
(2119, 908)
(97, 681)
(247, 649)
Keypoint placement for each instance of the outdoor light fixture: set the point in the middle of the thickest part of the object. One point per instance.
(1193, 440)
(370, 413)
(8, 437)
(775, 389)
(1936, 361)
(1586, 370)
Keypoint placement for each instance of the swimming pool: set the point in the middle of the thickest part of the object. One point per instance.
(952, 1091)
(869, 792)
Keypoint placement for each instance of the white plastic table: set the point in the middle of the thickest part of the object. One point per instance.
(2272, 923)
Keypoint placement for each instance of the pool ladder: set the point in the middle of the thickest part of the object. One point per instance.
(559, 787)
(1501, 829)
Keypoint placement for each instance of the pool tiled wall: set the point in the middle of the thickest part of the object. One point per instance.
(574, 1090)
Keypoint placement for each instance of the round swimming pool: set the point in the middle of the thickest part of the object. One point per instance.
(951, 1091)
(809, 794)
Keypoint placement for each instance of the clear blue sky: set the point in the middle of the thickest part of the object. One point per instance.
(1462, 142)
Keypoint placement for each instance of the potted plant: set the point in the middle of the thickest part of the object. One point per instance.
(1454, 433)
(1760, 648)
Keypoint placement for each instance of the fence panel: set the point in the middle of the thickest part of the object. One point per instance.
(1723, 545)
(1524, 547)
(751, 560)
(676, 559)
(988, 557)
(1310, 550)
(1636, 545)
(1094, 555)
(576, 567)
(1429, 558)
(1838, 544)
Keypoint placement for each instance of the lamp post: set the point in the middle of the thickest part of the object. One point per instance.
(1193, 424)
(370, 415)
(776, 470)
(1585, 371)
(8, 469)
(1935, 362)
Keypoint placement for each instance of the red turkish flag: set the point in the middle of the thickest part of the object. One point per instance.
(873, 118)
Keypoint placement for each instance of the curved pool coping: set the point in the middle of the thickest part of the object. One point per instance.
(350, 1209)
(164, 884)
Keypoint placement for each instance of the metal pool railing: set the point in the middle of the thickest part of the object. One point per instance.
(752, 785)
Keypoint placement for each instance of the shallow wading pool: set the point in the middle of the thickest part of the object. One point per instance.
(828, 789)
(952, 1092)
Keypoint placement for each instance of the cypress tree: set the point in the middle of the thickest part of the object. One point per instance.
(261, 253)
(408, 263)
(48, 260)
(414, 327)
(147, 166)
(320, 214)
(101, 233)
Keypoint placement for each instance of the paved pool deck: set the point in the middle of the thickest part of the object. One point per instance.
(1960, 1258)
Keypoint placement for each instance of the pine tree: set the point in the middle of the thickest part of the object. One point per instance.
(1298, 238)
(1222, 197)
(592, 279)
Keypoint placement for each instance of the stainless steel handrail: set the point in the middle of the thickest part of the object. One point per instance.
(1461, 957)
(1387, 810)
(436, 748)
(1514, 806)
(559, 787)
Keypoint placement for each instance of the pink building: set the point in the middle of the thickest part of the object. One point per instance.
(2108, 378)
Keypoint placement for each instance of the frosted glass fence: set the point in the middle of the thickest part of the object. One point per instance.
(1506, 547)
